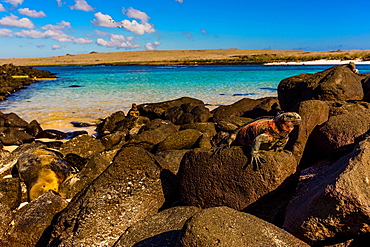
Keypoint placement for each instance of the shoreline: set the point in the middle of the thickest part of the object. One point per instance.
(189, 57)
(321, 62)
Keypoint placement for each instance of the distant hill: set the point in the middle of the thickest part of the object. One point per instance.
(212, 56)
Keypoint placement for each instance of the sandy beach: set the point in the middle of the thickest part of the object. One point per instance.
(206, 56)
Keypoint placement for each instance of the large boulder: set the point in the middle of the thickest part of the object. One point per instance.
(42, 170)
(226, 227)
(85, 146)
(14, 136)
(171, 159)
(9, 161)
(183, 139)
(336, 83)
(30, 221)
(339, 133)
(10, 192)
(227, 178)
(153, 133)
(313, 113)
(332, 202)
(155, 110)
(187, 113)
(93, 168)
(157, 230)
(110, 123)
(127, 191)
(247, 107)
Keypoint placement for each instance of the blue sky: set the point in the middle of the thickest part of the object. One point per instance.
(38, 28)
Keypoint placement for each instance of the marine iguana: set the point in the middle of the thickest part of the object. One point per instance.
(264, 133)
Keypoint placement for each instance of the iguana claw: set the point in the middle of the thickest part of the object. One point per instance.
(256, 160)
(219, 148)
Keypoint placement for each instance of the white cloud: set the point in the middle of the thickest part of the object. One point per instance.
(82, 41)
(13, 2)
(40, 45)
(152, 46)
(180, 1)
(137, 28)
(31, 13)
(55, 34)
(60, 3)
(2, 9)
(118, 41)
(204, 31)
(60, 25)
(55, 47)
(6, 33)
(100, 33)
(136, 14)
(103, 20)
(82, 5)
(14, 21)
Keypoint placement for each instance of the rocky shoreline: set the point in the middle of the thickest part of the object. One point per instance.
(153, 179)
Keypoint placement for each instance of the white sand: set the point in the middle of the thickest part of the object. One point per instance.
(320, 62)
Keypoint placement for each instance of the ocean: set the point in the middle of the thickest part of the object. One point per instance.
(89, 93)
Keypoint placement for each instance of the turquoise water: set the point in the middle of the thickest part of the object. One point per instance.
(90, 93)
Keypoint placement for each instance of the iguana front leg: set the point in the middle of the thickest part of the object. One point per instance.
(226, 143)
(256, 160)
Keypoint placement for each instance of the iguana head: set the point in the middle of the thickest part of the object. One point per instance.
(287, 120)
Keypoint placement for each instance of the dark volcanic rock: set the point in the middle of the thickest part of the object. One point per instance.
(225, 227)
(52, 134)
(127, 191)
(14, 136)
(339, 133)
(8, 162)
(31, 220)
(336, 83)
(153, 133)
(155, 110)
(74, 184)
(187, 113)
(110, 123)
(313, 113)
(332, 203)
(10, 192)
(249, 108)
(171, 159)
(183, 139)
(226, 179)
(161, 229)
(85, 146)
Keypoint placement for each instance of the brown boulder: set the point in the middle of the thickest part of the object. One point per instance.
(109, 124)
(339, 133)
(153, 133)
(10, 192)
(336, 83)
(226, 179)
(183, 139)
(30, 221)
(157, 230)
(225, 227)
(85, 146)
(14, 136)
(155, 110)
(332, 202)
(246, 107)
(313, 113)
(127, 191)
